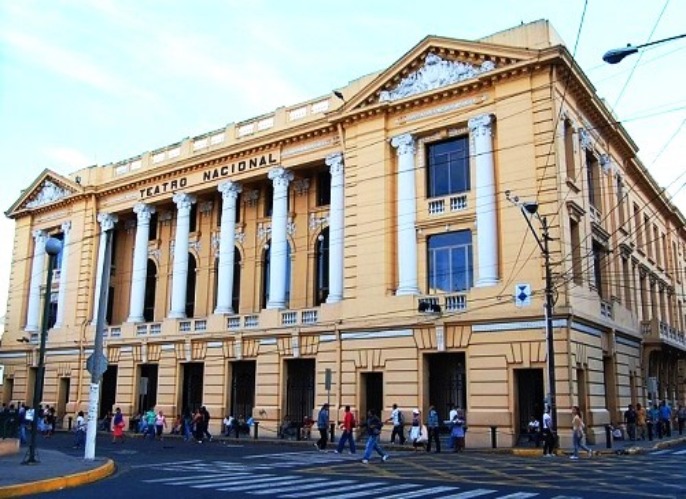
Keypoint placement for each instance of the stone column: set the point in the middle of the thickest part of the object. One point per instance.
(37, 268)
(278, 253)
(64, 268)
(139, 274)
(407, 216)
(180, 267)
(480, 129)
(230, 191)
(106, 221)
(336, 222)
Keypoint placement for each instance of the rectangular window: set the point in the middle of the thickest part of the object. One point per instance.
(656, 242)
(620, 203)
(637, 228)
(323, 188)
(193, 225)
(152, 233)
(626, 277)
(598, 264)
(268, 200)
(450, 261)
(646, 229)
(569, 150)
(593, 180)
(575, 240)
(448, 167)
(644, 298)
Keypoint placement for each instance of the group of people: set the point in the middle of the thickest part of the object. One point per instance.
(236, 426)
(641, 423)
(45, 418)
(422, 434)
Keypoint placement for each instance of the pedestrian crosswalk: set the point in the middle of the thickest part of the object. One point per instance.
(235, 478)
(669, 452)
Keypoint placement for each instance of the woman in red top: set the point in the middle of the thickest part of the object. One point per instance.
(348, 426)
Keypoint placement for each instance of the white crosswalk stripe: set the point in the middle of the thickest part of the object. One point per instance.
(680, 452)
(668, 452)
(220, 476)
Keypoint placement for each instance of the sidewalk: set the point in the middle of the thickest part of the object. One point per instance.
(56, 471)
(622, 447)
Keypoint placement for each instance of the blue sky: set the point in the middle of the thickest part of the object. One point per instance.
(93, 82)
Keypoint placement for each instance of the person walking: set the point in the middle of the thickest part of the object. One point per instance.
(418, 433)
(433, 424)
(457, 431)
(548, 435)
(80, 431)
(323, 427)
(206, 422)
(641, 422)
(666, 419)
(681, 418)
(578, 428)
(198, 422)
(150, 418)
(118, 426)
(654, 416)
(160, 424)
(398, 421)
(348, 426)
(630, 422)
(187, 424)
(374, 425)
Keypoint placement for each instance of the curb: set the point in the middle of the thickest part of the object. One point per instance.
(59, 483)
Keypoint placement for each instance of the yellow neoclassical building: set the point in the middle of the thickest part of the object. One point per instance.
(370, 247)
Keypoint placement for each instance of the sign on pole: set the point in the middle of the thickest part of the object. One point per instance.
(2, 374)
(96, 364)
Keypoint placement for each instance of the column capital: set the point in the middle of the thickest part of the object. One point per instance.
(229, 189)
(481, 124)
(335, 163)
(66, 226)
(144, 211)
(107, 220)
(280, 176)
(183, 200)
(40, 236)
(405, 144)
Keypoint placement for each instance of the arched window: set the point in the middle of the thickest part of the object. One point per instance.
(266, 270)
(190, 286)
(150, 289)
(321, 270)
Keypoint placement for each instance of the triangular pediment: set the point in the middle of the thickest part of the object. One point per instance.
(46, 189)
(435, 63)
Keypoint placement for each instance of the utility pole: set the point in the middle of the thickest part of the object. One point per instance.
(52, 247)
(530, 210)
(97, 362)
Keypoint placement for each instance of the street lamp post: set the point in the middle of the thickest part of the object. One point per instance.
(616, 55)
(52, 247)
(530, 210)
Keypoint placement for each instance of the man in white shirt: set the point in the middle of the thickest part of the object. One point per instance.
(398, 425)
(548, 435)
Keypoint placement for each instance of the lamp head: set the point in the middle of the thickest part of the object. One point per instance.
(530, 207)
(616, 55)
(53, 246)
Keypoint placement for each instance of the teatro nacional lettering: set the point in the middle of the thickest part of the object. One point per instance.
(213, 174)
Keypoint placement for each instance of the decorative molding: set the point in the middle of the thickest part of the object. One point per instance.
(481, 125)
(49, 193)
(195, 245)
(263, 231)
(404, 143)
(251, 197)
(318, 221)
(434, 111)
(301, 186)
(239, 236)
(311, 146)
(515, 326)
(290, 226)
(107, 221)
(372, 335)
(154, 253)
(585, 139)
(205, 208)
(435, 73)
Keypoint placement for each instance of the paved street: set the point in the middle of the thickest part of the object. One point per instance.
(185, 469)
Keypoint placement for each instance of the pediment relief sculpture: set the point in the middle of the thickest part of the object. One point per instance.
(435, 73)
(49, 192)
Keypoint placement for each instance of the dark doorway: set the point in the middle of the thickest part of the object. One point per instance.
(63, 397)
(372, 393)
(299, 388)
(108, 390)
(242, 388)
(191, 393)
(447, 382)
(147, 386)
(8, 391)
(530, 397)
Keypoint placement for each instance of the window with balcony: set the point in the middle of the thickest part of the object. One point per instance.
(568, 131)
(598, 252)
(321, 283)
(448, 167)
(450, 262)
(323, 188)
